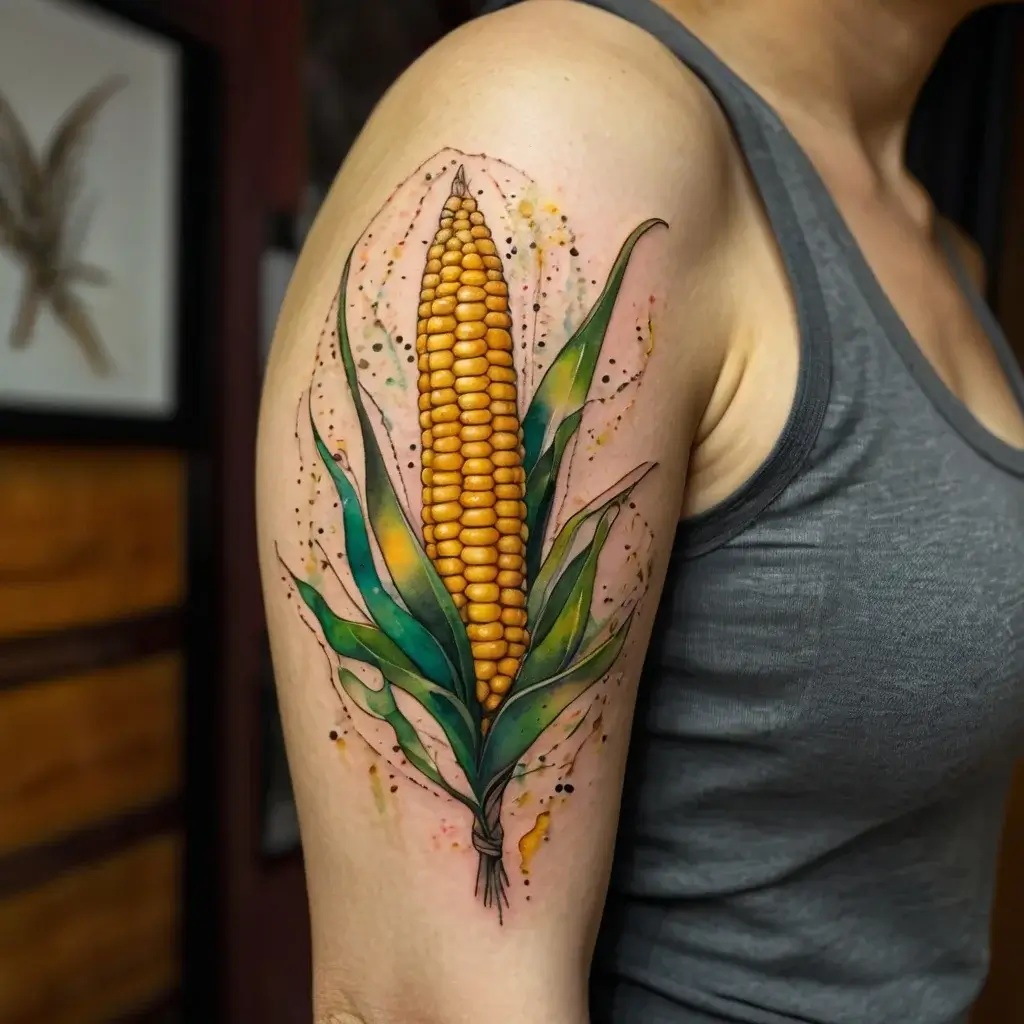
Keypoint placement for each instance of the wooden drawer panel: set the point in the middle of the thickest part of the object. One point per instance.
(88, 535)
(94, 944)
(77, 750)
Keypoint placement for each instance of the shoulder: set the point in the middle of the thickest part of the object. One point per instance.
(608, 124)
(580, 98)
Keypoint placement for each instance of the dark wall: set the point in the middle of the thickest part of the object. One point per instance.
(958, 143)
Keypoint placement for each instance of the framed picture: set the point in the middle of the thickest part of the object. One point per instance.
(107, 172)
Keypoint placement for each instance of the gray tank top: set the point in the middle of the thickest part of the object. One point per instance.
(832, 701)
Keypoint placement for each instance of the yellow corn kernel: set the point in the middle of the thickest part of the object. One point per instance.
(479, 555)
(493, 650)
(488, 592)
(481, 573)
(483, 612)
(500, 684)
(480, 536)
(478, 517)
(449, 531)
(479, 631)
(441, 479)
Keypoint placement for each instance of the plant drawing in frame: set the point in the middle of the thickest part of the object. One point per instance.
(43, 223)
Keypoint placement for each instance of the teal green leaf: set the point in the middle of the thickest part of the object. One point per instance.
(562, 627)
(372, 647)
(381, 704)
(540, 490)
(565, 385)
(413, 574)
(416, 643)
(528, 712)
(575, 532)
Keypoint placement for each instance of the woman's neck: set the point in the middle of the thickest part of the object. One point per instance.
(849, 68)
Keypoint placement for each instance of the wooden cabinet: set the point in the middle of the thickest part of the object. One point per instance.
(92, 556)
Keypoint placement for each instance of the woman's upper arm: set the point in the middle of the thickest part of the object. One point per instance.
(472, 452)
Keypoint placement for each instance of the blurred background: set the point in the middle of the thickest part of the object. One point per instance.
(160, 161)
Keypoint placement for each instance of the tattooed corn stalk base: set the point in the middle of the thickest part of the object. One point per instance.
(484, 620)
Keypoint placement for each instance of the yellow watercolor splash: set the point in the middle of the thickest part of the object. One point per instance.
(377, 789)
(525, 208)
(523, 799)
(650, 337)
(530, 843)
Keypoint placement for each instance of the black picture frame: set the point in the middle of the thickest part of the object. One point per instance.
(197, 176)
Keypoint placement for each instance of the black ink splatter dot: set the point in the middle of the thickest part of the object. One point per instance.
(574, 251)
(395, 750)
(536, 307)
(559, 788)
(533, 245)
(526, 881)
(508, 241)
(605, 379)
(542, 758)
(394, 789)
(515, 251)
(333, 734)
(429, 176)
(363, 364)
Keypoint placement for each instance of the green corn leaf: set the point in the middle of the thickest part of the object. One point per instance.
(416, 643)
(381, 704)
(412, 572)
(528, 712)
(566, 383)
(372, 647)
(575, 532)
(558, 638)
(540, 490)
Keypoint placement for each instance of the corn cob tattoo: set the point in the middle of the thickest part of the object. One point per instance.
(474, 515)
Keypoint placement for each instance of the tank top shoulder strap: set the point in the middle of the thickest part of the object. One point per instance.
(789, 190)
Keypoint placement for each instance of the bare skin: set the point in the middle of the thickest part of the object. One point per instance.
(614, 131)
(847, 93)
